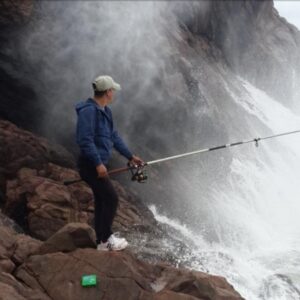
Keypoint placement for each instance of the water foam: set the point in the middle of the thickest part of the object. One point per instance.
(256, 217)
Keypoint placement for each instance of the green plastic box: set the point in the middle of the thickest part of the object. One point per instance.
(88, 280)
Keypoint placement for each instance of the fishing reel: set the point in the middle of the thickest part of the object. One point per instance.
(138, 172)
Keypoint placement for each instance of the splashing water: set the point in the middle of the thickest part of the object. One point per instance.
(256, 218)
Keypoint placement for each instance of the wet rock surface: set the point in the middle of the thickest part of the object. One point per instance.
(50, 244)
(53, 270)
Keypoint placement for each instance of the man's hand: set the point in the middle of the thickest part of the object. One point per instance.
(136, 160)
(101, 171)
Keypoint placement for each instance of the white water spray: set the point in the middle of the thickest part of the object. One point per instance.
(256, 218)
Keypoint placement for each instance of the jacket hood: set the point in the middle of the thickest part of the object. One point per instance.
(83, 104)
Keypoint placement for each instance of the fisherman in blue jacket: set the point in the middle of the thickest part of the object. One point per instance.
(96, 136)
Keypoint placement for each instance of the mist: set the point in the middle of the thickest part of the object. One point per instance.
(187, 83)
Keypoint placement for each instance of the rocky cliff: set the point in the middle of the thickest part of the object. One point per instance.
(255, 41)
(181, 66)
(246, 37)
(49, 246)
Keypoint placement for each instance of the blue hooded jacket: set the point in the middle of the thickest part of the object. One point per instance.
(95, 133)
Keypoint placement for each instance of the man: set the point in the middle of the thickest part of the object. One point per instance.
(96, 136)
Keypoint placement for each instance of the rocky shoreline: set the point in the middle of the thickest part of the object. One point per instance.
(47, 242)
(204, 53)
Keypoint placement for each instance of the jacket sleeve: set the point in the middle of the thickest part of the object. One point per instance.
(120, 146)
(85, 135)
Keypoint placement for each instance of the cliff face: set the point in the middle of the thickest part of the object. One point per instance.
(248, 37)
(260, 46)
(255, 41)
(19, 102)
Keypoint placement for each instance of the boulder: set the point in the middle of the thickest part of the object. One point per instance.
(69, 238)
(197, 284)
(42, 206)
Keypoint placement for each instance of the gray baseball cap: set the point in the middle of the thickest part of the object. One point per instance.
(105, 82)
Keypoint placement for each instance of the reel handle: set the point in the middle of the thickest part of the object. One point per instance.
(137, 172)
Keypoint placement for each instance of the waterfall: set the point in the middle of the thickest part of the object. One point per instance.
(255, 218)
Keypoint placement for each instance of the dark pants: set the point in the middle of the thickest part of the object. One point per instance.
(105, 199)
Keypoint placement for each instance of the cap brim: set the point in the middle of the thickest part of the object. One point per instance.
(116, 86)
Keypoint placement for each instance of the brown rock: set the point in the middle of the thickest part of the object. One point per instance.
(43, 206)
(197, 284)
(7, 241)
(58, 173)
(16, 290)
(168, 295)
(54, 270)
(24, 247)
(15, 248)
(69, 238)
(120, 276)
(41, 227)
(6, 265)
(9, 293)
(20, 148)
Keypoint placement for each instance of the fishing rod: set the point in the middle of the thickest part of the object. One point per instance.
(138, 171)
(112, 172)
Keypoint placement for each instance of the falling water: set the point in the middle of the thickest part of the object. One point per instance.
(256, 217)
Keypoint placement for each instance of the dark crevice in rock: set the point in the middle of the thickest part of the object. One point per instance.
(20, 214)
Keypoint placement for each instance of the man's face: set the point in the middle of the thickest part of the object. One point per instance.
(110, 95)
